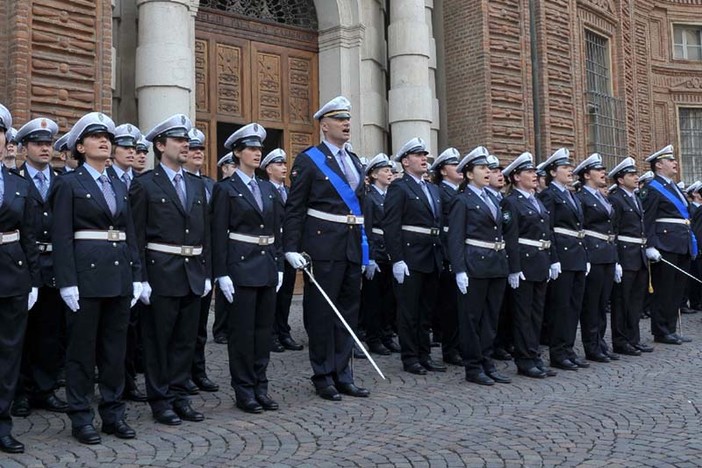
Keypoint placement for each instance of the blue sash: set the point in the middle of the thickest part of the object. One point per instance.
(682, 209)
(344, 190)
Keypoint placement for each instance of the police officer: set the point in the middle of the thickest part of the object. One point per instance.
(61, 147)
(171, 216)
(479, 262)
(41, 357)
(199, 379)
(569, 262)
(599, 240)
(669, 237)
(142, 153)
(693, 304)
(411, 225)
(227, 165)
(323, 218)
(448, 180)
(527, 232)
(629, 293)
(9, 158)
(94, 240)
(19, 282)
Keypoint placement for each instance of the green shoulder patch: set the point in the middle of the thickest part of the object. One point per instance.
(643, 193)
(506, 216)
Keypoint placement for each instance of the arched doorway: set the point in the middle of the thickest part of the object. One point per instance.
(256, 60)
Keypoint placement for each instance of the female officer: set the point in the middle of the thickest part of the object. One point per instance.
(479, 261)
(99, 274)
(248, 265)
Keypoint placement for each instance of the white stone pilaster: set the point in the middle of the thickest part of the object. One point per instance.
(429, 4)
(373, 79)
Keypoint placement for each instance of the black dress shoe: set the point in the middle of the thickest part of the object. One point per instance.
(612, 355)
(392, 346)
(565, 364)
(357, 353)
(548, 371)
(220, 339)
(9, 444)
(86, 434)
(191, 388)
(168, 417)
(134, 394)
(290, 344)
(187, 413)
(533, 372)
(49, 402)
(267, 403)
(688, 310)
(249, 406)
(120, 429)
(329, 393)
(580, 362)
(352, 390)
(480, 379)
(499, 378)
(598, 357)
(682, 338)
(20, 407)
(644, 348)
(627, 350)
(433, 366)
(453, 359)
(277, 347)
(415, 368)
(667, 339)
(379, 349)
(501, 354)
(205, 384)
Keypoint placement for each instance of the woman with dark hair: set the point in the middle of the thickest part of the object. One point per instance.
(98, 274)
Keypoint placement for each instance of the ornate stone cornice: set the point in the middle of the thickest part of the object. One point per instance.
(341, 36)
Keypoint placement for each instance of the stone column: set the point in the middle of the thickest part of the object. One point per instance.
(432, 79)
(374, 67)
(165, 60)
(410, 99)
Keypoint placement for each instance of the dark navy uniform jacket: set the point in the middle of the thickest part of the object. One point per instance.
(235, 210)
(99, 268)
(471, 218)
(322, 240)
(599, 220)
(629, 221)
(373, 213)
(521, 219)
(666, 237)
(159, 217)
(447, 194)
(569, 251)
(406, 204)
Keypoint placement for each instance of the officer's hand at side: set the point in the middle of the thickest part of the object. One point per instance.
(588, 266)
(371, 269)
(32, 299)
(513, 279)
(70, 296)
(280, 281)
(208, 287)
(462, 282)
(554, 270)
(618, 273)
(145, 296)
(227, 287)
(399, 271)
(296, 260)
(653, 254)
(136, 292)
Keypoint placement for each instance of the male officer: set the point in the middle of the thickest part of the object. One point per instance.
(142, 152)
(170, 215)
(10, 157)
(196, 159)
(411, 226)
(628, 297)
(323, 218)
(668, 237)
(41, 357)
(227, 165)
(275, 166)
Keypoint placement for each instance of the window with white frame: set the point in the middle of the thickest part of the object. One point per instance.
(691, 143)
(687, 42)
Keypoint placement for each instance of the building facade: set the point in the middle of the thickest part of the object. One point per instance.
(620, 77)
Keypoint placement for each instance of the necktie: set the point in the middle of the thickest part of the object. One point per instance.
(127, 180)
(489, 203)
(283, 193)
(256, 193)
(2, 189)
(535, 202)
(349, 172)
(108, 194)
(41, 185)
(425, 189)
(572, 200)
(180, 191)
(604, 202)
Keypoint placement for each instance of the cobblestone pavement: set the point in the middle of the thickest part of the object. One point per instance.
(640, 411)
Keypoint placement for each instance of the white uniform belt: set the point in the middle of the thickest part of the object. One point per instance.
(569, 232)
(44, 247)
(599, 235)
(673, 221)
(377, 231)
(334, 218)
(632, 240)
(258, 240)
(421, 230)
(111, 235)
(8, 237)
(182, 250)
(541, 244)
(497, 246)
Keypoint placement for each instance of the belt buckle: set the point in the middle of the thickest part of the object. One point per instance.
(41, 247)
(543, 245)
(112, 235)
(2, 237)
(186, 250)
(581, 234)
(611, 238)
(350, 219)
(434, 231)
(263, 240)
(499, 246)
(687, 222)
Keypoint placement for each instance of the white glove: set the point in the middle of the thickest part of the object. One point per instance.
(136, 292)
(70, 296)
(295, 259)
(513, 279)
(399, 271)
(371, 269)
(145, 296)
(587, 268)
(227, 287)
(32, 299)
(653, 254)
(554, 270)
(462, 282)
(280, 281)
(618, 273)
(208, 287)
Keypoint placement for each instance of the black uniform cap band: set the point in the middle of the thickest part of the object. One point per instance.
(126, 142)
(93, 129)
(39, 136)
(174, 133)
(248, 142)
